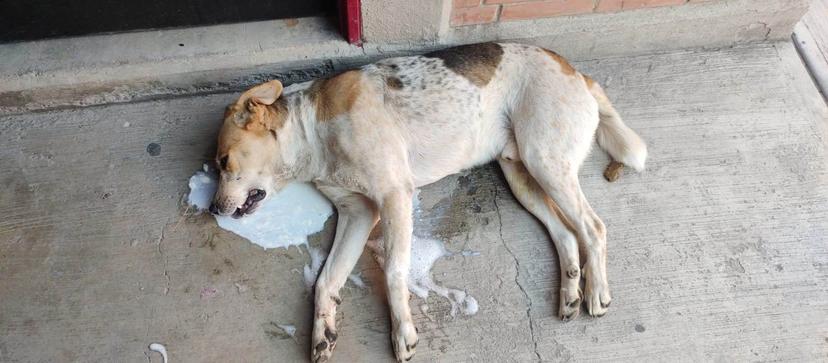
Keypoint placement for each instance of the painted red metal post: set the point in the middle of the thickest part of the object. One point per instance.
(350, 21)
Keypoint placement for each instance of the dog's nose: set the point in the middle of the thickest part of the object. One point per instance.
(214, 209)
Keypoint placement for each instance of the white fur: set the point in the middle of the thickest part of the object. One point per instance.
(622, 143)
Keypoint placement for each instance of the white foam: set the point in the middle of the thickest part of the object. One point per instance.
(285, 219)
(356, 279)
(311, 272)
(289, 329)
(156, 347)
(424, 253)
(202, 188)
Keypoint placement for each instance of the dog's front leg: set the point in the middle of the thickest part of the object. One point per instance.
(396, 214)
(357, 217)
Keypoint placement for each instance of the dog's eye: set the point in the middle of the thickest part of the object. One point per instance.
(223, 163)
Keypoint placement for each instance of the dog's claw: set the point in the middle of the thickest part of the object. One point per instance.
(400, 338)
(570, 304)
(598, 301)
(324, 339)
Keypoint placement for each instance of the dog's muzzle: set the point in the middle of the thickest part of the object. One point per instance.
(253, 198)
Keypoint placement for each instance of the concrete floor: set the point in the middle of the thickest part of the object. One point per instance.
(717, 252)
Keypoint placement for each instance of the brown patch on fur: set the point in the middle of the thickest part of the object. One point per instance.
(613, 171)
(266, 117)
(394, 83)
(566, 68)
(475, 62)
(335, 96)
(242, 120)
(589, 81)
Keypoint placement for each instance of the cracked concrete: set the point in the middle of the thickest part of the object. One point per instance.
(517, 277)
(99, 258)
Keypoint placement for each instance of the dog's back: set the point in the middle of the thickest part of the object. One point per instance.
(458, 105)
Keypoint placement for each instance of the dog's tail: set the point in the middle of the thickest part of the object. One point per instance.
(622, 143)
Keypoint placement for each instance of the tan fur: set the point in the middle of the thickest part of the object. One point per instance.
(589, 81)
(336, 96)
(258, 118)
(566, 68)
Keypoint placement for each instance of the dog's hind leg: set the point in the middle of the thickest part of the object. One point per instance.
(553, 136)
(560, 182)
(357, 217)
(535, 200)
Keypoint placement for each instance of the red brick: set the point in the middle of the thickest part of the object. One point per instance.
(605, 6)
(476, 15)
(638, 4)
(465, 3)
(543, 9)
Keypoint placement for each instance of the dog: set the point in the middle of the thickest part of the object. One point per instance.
(368, 137)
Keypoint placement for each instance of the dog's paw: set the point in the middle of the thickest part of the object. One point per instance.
(324, 341)
(404, 339)
(570, 306)
(597, 299)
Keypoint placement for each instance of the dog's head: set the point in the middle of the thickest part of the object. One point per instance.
(249, 157)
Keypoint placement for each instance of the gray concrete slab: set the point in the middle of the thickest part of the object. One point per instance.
(717, 252)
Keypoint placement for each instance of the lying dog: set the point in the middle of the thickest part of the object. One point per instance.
(368, 137)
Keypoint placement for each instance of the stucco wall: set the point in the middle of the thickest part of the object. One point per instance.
(403, 20)
(582, 29)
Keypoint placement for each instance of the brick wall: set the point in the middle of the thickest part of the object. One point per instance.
(471, 12)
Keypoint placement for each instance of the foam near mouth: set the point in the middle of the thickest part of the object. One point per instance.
(284, 220)
(287, 218)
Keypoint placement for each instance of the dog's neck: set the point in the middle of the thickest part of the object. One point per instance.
(299, 141)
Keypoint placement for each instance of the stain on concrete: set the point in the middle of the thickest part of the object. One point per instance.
(736, 265)
(469, 203)
(154, 149)
(14, 99)
(640, 328)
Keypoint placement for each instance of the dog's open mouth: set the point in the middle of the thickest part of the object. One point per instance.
(253, 198)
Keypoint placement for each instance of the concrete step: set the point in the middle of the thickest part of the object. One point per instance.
(77, 72)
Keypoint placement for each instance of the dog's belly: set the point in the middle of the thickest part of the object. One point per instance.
(437, 153)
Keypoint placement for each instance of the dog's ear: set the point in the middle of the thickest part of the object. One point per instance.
(257, 116)
(265, 93)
